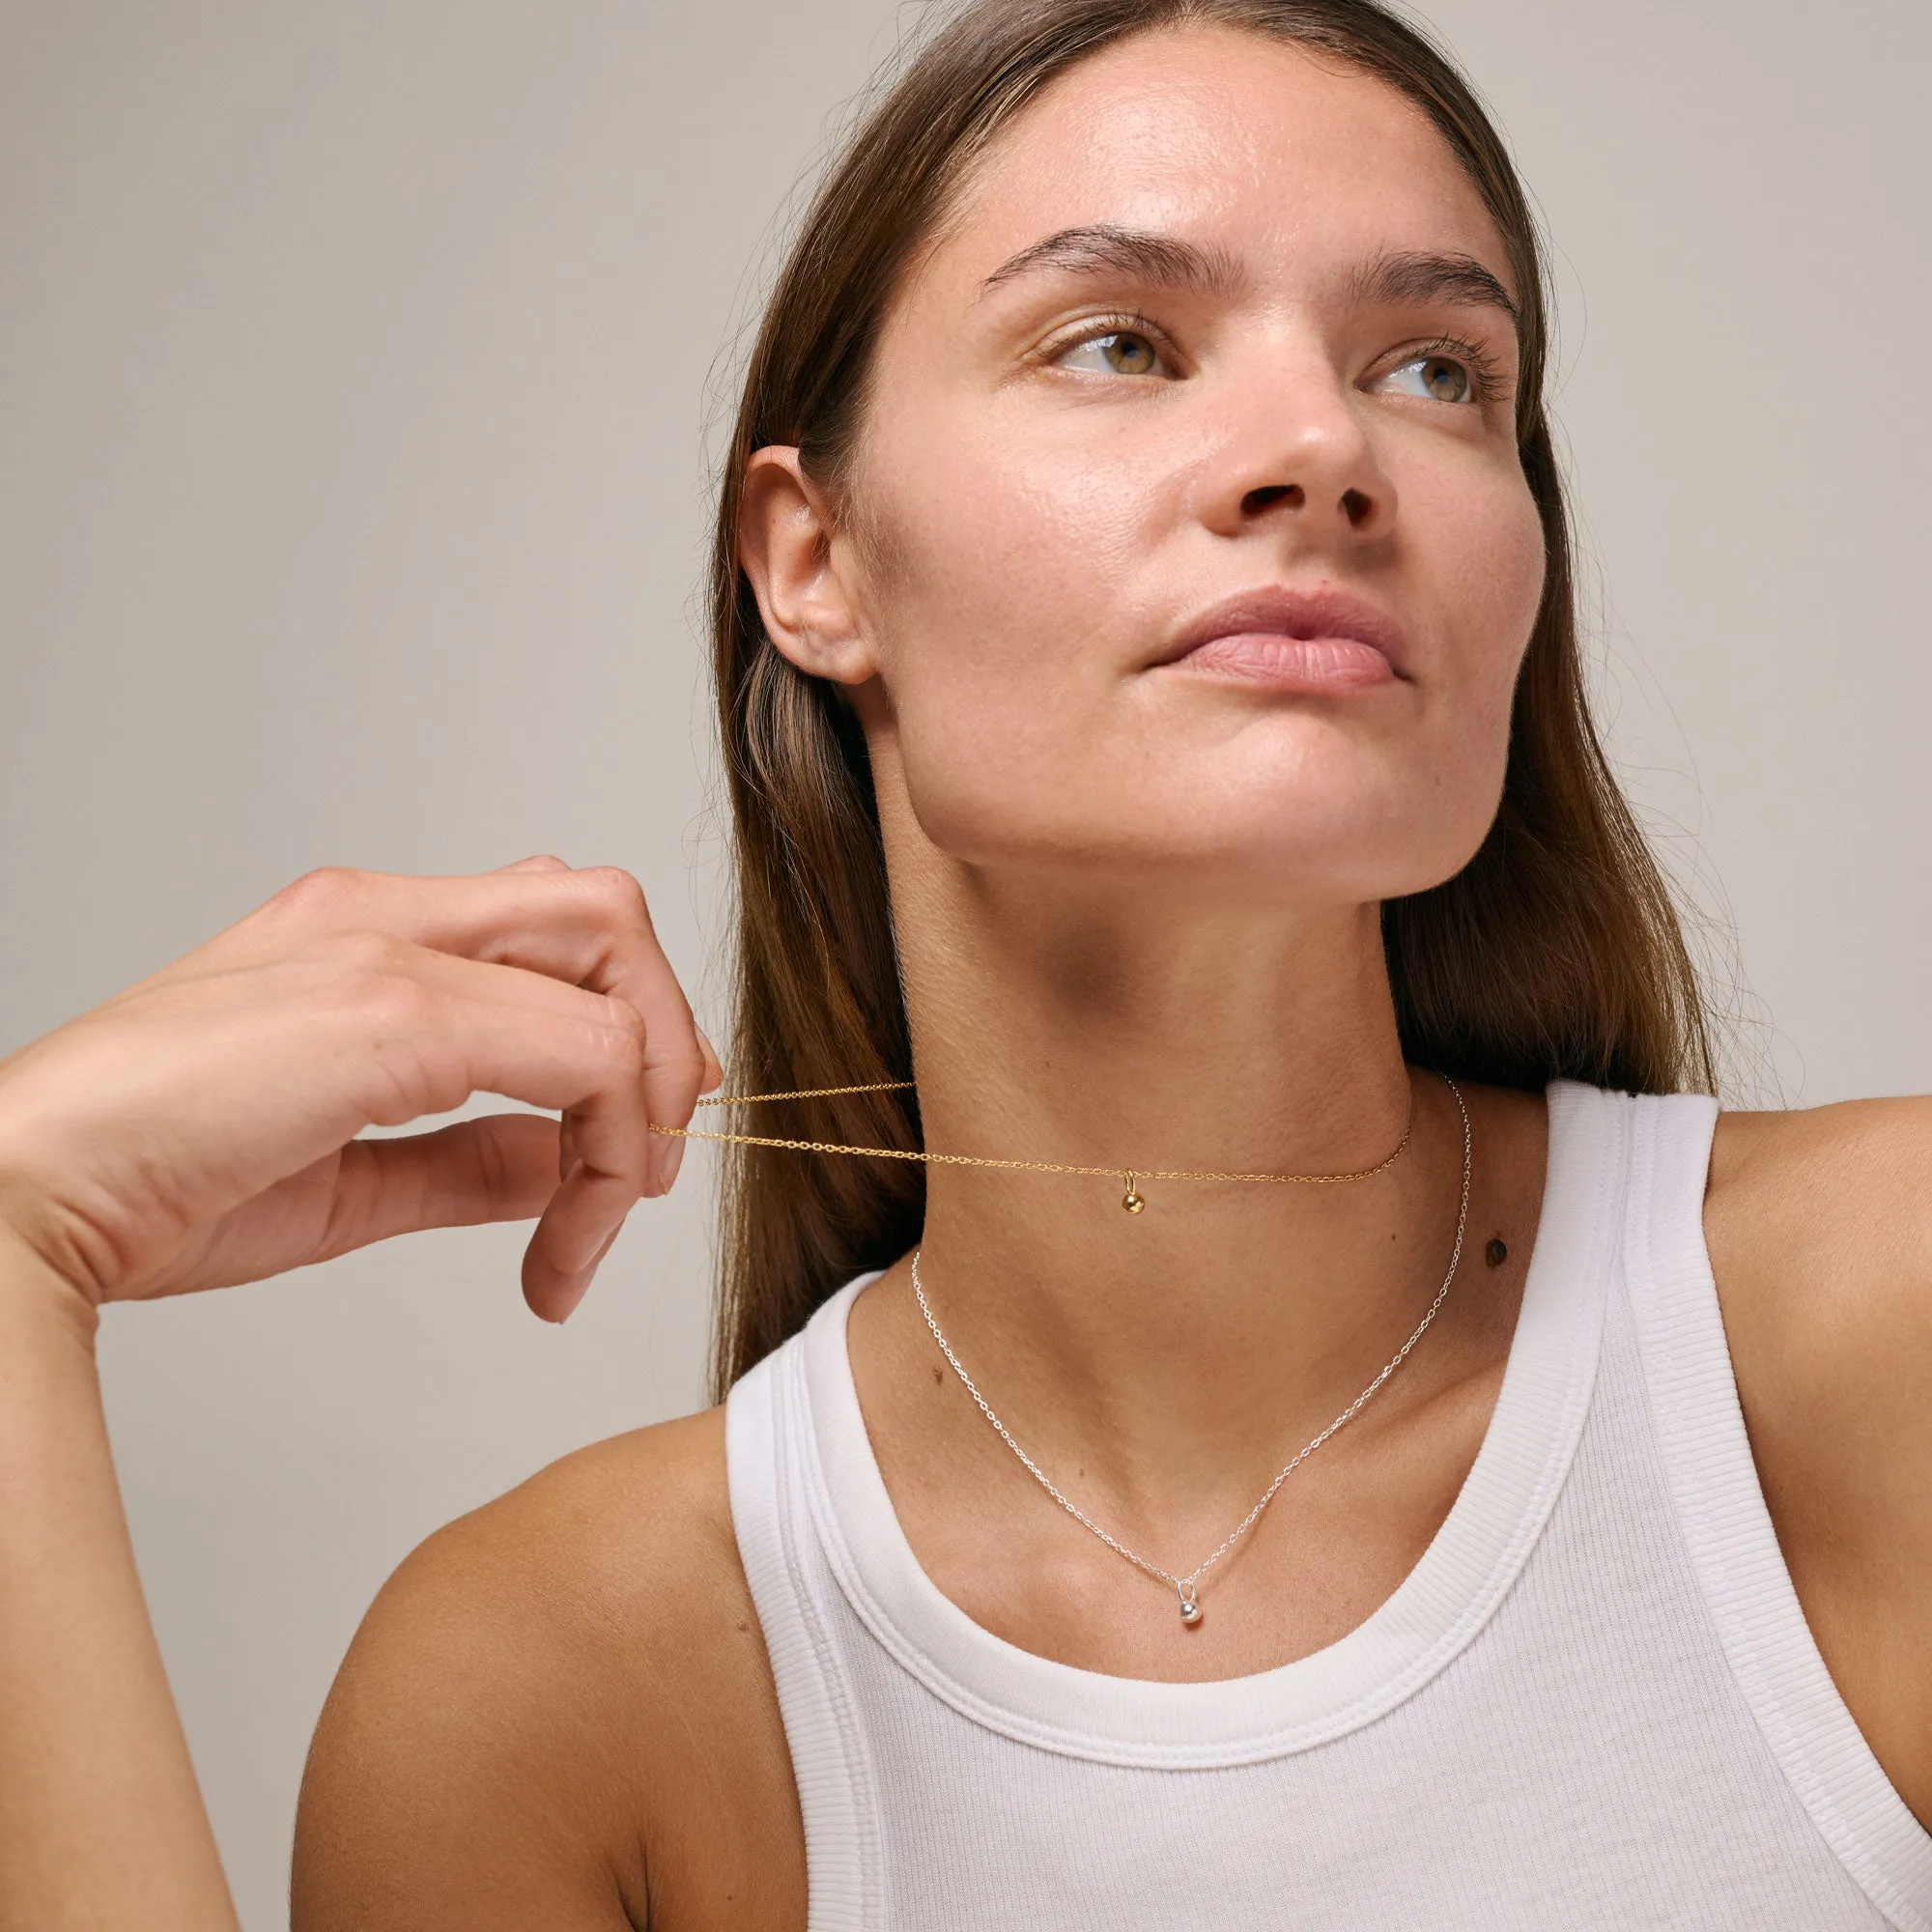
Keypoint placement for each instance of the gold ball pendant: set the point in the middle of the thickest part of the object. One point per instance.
(1132, 1201)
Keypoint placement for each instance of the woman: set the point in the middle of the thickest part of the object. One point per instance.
(1475, 1481)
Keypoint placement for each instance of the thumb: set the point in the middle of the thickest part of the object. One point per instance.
(714, 1070)
(501, 1167)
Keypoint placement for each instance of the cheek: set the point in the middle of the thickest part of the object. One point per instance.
(1479, 550)
(1466, 568)
(1484, 570)
(993, 598)
(991, 559)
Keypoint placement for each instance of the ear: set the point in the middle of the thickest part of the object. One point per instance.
(786, 545)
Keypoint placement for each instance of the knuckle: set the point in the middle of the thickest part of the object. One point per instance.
(374, 984)
(681, 1063)
(630, 1040)
(323, 893)
(620, 893)
(396, 1008)
(492, 1164)
(368, 951)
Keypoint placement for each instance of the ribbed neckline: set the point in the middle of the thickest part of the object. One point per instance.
(1433, 1614)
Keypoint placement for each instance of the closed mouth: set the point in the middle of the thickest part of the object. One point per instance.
(1325, 635)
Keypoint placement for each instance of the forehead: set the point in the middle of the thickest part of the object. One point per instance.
(1290, 159)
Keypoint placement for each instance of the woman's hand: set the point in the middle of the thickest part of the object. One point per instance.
(200, 1129)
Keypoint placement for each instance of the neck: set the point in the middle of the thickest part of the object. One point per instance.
(1160, 1031)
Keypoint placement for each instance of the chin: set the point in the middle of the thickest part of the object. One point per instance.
(1277, 853)
(1337, 842)
(1324, 821)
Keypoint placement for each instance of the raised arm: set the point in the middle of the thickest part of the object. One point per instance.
(199, 1131)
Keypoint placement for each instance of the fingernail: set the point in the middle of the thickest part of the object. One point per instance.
(714, 1070)
(588, 1268)
(669, 1164)
(596, 1254)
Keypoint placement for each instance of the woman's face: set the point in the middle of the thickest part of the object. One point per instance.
(1186, 531)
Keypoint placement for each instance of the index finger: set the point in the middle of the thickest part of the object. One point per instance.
(588, 926)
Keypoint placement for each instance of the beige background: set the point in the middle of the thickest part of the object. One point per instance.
(353, 374)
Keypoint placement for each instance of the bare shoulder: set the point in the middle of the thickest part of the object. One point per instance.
(560, 1711)
(1819, 1225)
(1819, 1221)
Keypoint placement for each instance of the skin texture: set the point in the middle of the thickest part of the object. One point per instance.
(1137, 909)
(1820, 1227)
(560, 1713)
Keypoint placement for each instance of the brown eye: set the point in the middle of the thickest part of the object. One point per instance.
(1119, 352)
(1441, 379)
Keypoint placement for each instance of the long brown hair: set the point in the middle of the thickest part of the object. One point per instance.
(1556, 950)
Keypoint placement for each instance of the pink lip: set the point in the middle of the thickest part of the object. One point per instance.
(1300, 640)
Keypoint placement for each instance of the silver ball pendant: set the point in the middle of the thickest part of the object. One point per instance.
(1190, 1611)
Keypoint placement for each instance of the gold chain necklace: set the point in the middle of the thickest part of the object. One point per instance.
(1187, 1588)
(1133, 1200)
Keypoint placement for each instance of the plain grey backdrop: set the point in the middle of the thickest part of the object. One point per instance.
(357, 363)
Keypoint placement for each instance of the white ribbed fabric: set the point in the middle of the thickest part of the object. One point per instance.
(1593, 1704)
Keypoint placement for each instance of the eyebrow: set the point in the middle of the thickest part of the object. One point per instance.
(1103, 248)
(1416, 278)
(1164, 261)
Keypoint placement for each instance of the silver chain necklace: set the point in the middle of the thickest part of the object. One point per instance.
(1186, 1587)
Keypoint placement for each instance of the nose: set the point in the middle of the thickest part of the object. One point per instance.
(1305, 462)
(1358, 507)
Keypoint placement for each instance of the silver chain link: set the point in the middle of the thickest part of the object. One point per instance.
(1184, 1586)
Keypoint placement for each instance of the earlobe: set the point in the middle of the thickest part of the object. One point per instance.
(786, 548)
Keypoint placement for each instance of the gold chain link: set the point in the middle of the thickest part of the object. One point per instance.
(987, 1160)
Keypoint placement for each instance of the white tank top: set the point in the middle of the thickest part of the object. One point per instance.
(1593, 1705)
